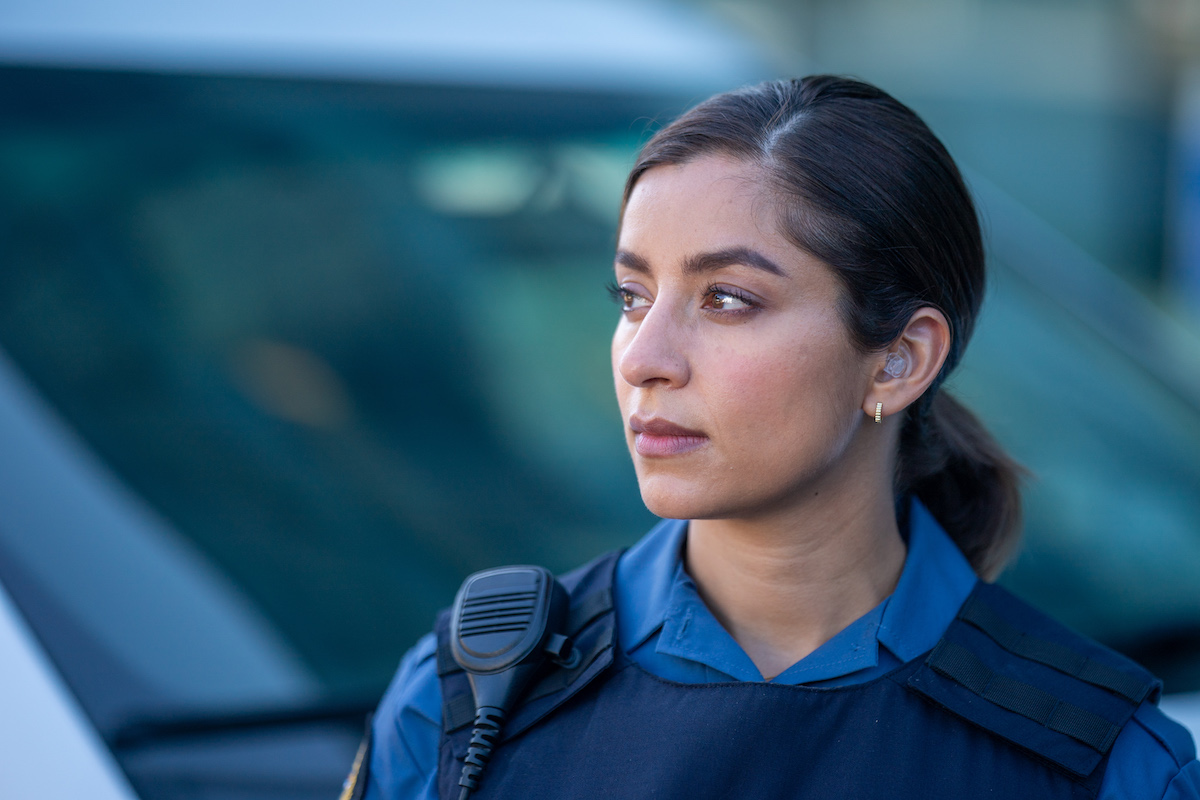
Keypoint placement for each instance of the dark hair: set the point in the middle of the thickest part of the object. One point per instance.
(870, 191)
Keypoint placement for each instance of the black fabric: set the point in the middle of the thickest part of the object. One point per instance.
(445, 659)
(588, 609)
(457, 711)
(1074, 742)
(971, 719)
(961, 665)
(978, 613)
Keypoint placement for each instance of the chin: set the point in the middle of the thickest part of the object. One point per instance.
(700, 495)
(675, 499)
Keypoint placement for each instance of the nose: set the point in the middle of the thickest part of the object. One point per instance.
(653, 350)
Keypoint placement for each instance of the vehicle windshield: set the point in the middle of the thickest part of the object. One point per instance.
(349, 342)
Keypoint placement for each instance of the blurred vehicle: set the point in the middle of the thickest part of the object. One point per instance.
(30, 689)
(193, 689)
(265, 398)
(302, 319)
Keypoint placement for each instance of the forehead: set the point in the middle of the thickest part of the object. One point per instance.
(709, 203)
(717, 212)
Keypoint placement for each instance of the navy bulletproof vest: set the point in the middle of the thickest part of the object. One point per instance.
(1009, 704)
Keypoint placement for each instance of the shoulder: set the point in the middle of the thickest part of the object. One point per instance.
(1153, 758)
(1054, 692)
(406, 729)
(1031, 635)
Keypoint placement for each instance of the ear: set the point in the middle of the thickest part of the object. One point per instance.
(922, 347)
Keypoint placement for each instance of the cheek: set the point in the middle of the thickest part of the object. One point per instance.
(759, 396)
(799, 394)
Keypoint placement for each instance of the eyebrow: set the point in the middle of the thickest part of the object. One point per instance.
(707, 262)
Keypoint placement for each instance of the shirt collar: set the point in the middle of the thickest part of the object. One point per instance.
(645, 576)
(689, 630)
(654, 594)
(934, 584)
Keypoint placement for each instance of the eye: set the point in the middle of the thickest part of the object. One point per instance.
(627, 298)
(722, 299)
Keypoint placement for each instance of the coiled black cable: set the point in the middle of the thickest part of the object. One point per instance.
(488, 721)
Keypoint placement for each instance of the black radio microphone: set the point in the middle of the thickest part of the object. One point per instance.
(504, 623)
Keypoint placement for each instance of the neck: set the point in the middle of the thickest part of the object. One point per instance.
(785, 583)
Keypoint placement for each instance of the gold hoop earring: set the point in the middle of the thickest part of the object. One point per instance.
(878, 413)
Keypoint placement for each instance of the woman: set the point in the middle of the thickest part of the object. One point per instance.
(799, 267)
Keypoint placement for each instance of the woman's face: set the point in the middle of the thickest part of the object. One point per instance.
(738, 383)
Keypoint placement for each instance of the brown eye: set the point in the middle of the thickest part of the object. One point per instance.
(627, 299)
(724, 300)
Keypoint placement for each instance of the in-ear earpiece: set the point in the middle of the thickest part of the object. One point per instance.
(895, 365)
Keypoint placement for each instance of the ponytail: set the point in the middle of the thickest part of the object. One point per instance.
(965, 479)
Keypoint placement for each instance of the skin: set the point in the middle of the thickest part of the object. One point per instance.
(749, 411)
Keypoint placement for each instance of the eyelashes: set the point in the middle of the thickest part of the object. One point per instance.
(722, 300)
(623, 297)
(616, 293)
(715, 292)
(627, 299)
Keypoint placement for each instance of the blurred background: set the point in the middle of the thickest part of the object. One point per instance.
(302, 319)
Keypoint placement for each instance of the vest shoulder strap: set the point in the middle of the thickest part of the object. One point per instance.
(591, 627)
(1016, 672)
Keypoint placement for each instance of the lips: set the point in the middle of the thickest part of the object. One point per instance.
(658, 438)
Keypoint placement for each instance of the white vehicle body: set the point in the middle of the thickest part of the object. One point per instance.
(48, 747)
(1186, 709)
(580, 44)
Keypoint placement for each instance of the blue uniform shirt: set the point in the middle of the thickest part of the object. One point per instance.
(664, 626)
